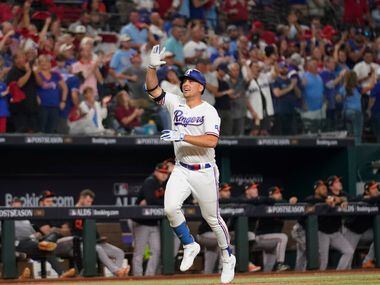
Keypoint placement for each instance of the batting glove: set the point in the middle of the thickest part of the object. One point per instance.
(172, 136)
(156, 56)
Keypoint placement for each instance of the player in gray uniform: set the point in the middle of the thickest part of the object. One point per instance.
(298, 232)
(147, 232)
(269, 230)
(358, 228)
(329, 234)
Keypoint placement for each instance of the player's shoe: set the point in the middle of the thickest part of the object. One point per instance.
(253, 268)
(369, 264)
(190, 251)
(281, 267)
(25, 274)
(228, 270)
(47, 246)
(69, 273)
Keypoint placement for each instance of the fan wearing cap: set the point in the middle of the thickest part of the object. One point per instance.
(147, 232)
(271, 228)
(329, 227)
(195, 134)
(222, 54)
(121, 60)
(358, 228)
(137, 30)
(286, 93)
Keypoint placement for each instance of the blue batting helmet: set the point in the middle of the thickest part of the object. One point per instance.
(196, 75)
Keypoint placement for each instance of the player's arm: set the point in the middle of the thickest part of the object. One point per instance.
(209, 141)
(151, 81)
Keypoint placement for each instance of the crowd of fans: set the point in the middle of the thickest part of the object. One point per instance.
(272, 67)
(268, 239)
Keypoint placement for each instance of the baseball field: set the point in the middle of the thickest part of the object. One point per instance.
(327, 278)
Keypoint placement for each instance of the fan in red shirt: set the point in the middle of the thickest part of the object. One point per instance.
(258, 30)
(128, 116)
(356, 12)
(237, 12)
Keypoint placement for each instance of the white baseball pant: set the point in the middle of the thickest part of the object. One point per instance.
(204, 186)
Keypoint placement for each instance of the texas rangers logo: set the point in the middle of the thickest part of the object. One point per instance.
(180, 119)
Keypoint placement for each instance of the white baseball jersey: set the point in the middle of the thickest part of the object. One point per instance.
(200, 120)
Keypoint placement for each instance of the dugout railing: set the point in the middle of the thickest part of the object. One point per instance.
(240, 212)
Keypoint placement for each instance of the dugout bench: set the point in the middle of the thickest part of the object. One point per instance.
(112, 213)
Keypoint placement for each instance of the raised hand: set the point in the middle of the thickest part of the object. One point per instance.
(155, 57)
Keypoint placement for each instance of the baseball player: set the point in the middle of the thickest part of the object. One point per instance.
(357, 228)
(195, 133)
(298, 232)
(329, 231)
(270, 229)
(147, 232)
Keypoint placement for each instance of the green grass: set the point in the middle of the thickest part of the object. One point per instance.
(360, 278)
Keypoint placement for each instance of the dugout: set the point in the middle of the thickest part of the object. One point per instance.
(66, 165)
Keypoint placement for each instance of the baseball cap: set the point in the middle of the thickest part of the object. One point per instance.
(65, 47)
(282, 64)
(296, 58)
(86, 40)
(225, 40)
(274, 190)
(257, 24)
(370, 184)
(168, 54)
(162, 167)
(16, 200)
(3, 87)
(80, 29)
(251, 185)
(207, 61)
(41, 15)
(196, 75)
(231, 28)
(225, 187)
(169, 160)
(318, 183)
(222, 66)
(331, 179)
(47, 194)
(125, 38)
